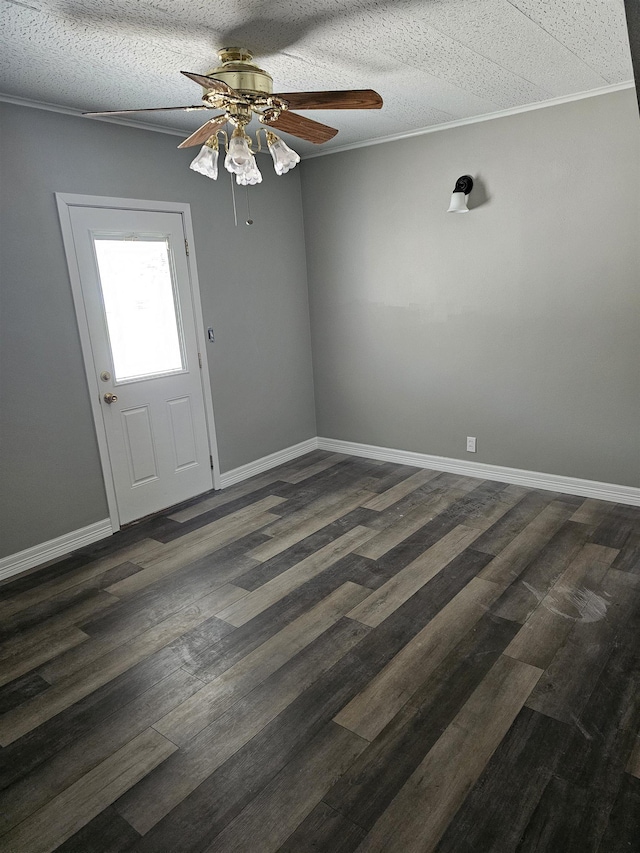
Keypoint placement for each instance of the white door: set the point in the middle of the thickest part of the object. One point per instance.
(136, 291)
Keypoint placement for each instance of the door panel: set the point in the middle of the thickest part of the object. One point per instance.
(184, 444)
(137, 298)
(138, 445)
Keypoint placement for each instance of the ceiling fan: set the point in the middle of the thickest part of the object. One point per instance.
(241, 90)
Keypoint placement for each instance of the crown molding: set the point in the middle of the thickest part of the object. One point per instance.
(436, 128)
(449, 125)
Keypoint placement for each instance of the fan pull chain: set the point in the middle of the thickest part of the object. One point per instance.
(249, 220)
(233, 188)
(233, 197)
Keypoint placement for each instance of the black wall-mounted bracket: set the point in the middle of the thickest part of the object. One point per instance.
(464, 185)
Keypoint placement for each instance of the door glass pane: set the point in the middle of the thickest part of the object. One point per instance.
(140, 306)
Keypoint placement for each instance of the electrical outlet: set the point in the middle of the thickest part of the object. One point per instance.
(471, 444)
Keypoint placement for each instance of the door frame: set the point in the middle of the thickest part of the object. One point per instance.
(66, 201)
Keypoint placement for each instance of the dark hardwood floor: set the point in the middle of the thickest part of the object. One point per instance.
(337, 655)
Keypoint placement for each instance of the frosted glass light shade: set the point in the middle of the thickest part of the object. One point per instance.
(284, 158)
(458, 203)
(206, 162)
(249, 174)
(238, 152)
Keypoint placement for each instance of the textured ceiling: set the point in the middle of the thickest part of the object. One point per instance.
(433, 61)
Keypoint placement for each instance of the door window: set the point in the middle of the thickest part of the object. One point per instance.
(141, 310)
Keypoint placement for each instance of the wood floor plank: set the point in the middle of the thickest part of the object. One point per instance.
(556, 822)
(179, 554)
(521, 598)
(107, 832)
(223, 794)
(255, 602)
(260, 573)
(483, 517)
(216, 529)
(267, 822)
(227, 496)
(18, 691)
(364, 792)
(36, 594)
(615, 529)
(100, 670)
(387, 598)
(515, 557)
(570, 678)
(154, 603)
(420, 813)
(324, 830)
(469, 591)
(570, 599)
(330, 506)
(295, 528)
(591, 512)
(500, 534)
(445, 507)
(68, 765)
(72, 607)
(628, 559)
(17, 661)
(386, 499)
(303, 463)
(129, 629)
(344, 478)
(602, 737)
(623, 827)
(416, 518)
(72, 809)
(212, 700)
(634, 762)
(176, 530)
(160, 792)
(196, 539)
(239, 642)
(374, 707)
(495, 814)
(39, 745)
(315, 468)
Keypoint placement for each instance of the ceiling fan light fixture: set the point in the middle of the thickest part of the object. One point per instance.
(238, 152)
(251, 175)
(206, 161)
(284, 158)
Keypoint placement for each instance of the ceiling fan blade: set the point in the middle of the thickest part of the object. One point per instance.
(148, 110)
(304, 128)
(349, 99)
(210, 83)
(204, 132)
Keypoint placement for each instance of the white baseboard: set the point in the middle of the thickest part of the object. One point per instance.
(532, 479)
(46, 551)
(236, 475)
(38, 554)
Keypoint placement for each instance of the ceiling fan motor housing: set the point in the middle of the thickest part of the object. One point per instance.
(239, 72)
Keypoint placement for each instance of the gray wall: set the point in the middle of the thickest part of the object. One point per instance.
(254, 294)
(518, 323)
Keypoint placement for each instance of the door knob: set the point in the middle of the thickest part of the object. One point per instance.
(110, 398)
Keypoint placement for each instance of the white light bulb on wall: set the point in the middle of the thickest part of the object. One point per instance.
(463, 187)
